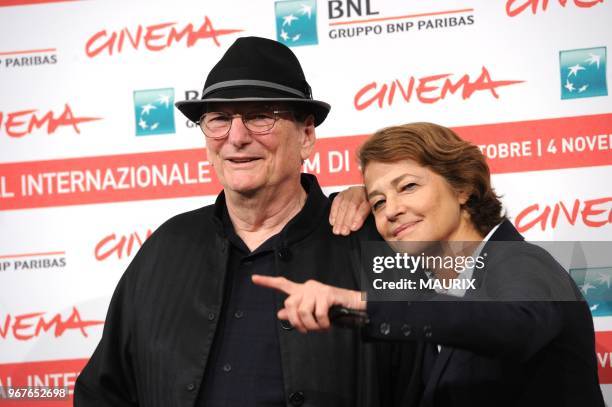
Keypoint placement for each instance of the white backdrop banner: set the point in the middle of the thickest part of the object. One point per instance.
(94, 156)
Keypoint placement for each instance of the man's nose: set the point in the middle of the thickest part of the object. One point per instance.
(238, 134)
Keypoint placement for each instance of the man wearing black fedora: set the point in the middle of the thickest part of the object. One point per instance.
(186, 326)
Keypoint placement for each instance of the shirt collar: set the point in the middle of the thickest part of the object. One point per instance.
(300, 226)
(468, 273)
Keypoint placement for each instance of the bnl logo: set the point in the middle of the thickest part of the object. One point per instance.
(154, 111)
(296, 22)
(350, 8)
(596, 286)
(583, 73)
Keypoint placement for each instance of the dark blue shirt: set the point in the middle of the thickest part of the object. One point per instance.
(245, 366)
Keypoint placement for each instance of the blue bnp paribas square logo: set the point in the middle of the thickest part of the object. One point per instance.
(583, 73)
(596, 286)
(154, 111)
(296, 22)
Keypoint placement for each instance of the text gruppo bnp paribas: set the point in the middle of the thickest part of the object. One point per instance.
(366, 19)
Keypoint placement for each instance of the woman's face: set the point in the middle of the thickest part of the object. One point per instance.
(414, 204)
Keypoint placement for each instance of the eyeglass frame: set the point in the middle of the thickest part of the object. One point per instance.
(276, 114)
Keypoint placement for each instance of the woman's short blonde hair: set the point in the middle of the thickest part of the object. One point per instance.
(438, 148)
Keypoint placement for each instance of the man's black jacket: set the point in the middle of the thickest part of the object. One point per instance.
(164, 313)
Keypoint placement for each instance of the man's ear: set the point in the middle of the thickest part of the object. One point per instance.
(308, 137)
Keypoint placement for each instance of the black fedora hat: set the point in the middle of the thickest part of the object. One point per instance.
(256, 69)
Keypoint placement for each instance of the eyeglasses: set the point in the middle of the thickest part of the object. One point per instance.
(216, 125)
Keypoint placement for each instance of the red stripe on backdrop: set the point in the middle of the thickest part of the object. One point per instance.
(7, 3)
(548, 144)
(15, 256)
(53, 373)
(603, 343)
(117, 178)
(510, 147)
(29, 51)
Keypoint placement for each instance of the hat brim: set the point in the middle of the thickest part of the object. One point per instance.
(194, 109)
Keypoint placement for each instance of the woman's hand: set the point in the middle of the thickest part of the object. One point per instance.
(307, 305)
(349, 210)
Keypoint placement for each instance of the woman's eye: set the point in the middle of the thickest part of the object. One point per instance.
(409, 187)
(378, 204)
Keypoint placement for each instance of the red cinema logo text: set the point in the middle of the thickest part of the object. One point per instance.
(24, 327)
(516, 7)
(427, 89)
(24, 122)
(155, 37)
(593, 213)
(118, 246)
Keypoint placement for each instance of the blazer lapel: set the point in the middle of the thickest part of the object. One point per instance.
(505, 232)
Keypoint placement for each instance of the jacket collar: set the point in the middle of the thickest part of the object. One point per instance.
(506, 232)
(300, 226)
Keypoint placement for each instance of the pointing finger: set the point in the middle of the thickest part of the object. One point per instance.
(277, 283)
